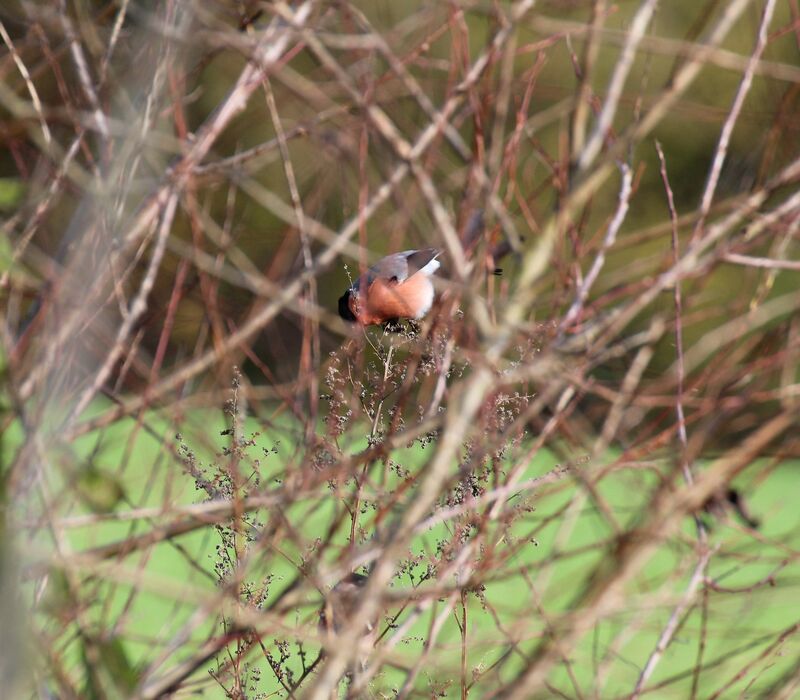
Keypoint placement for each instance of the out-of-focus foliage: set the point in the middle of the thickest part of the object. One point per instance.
(540, 478)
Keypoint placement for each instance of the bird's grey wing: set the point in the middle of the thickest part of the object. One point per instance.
(392, 267)
(420, 259)
(400, 266)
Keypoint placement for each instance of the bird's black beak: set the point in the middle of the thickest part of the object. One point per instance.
(344, 307)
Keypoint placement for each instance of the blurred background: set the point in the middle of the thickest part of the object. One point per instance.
(339, 161)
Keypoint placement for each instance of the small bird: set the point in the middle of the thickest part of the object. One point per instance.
(397, 286)
(730, 499)
(342, 602)
(340, 605)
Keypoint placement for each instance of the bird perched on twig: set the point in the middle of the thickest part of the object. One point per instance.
(730, 499)
(342, 602)
(397, 286)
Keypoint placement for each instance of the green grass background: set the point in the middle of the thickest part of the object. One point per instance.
(740, 627)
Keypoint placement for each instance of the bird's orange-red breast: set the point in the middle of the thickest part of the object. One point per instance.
(397, 286)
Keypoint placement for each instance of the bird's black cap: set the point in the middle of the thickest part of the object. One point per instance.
(344, 307)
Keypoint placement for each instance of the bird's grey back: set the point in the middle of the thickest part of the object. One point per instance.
(401, 266)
